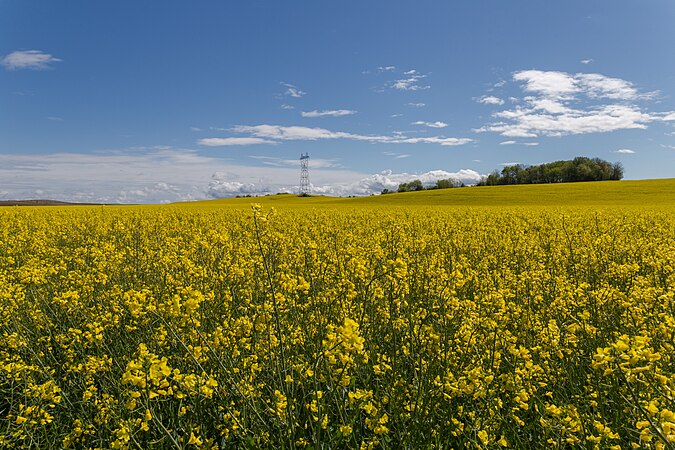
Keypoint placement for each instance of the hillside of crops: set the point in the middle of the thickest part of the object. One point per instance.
(574, 195)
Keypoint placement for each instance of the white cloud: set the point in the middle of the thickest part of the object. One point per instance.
(285, 106)
(28, 59)
(299, 133)
(397, 155)
(328, 113)
(625, 151)
(224, 189)
(292, 91)
(490, 100)
(376, 183)
(229, 185)
(222, 142)
(162, 174)
(396, 115)
(529, 144)
(600, 86)
(432, 140)
(411, 82)
(549, 83)
(431, 124)
(386, 68)
(291, 133)
(417, 105)
(586, 61)
(563, 86)
(314, 163)
(560, 103)
(135, 175)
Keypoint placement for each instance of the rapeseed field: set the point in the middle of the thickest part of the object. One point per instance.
(338, 324)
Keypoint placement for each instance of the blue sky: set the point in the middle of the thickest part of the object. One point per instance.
(131, 101)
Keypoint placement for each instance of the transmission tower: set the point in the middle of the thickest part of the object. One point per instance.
(305, 187)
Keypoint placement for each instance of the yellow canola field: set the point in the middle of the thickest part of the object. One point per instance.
(408, 327)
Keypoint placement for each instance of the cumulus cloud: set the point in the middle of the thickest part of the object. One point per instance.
(163, 174)
(490, 100)
(431, 124)
(586, 61)
(558, 103)
(386, 68)
(224, 189)
(276, 133)
(387, 179)
(328, 113)
(625, 151)
(28, 59)
(222, 142)
(135, 175)
(223, 186)
(508, 143)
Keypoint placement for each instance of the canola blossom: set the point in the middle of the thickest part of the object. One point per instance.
(188, 327)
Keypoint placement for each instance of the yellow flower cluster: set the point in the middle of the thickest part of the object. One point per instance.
(194, 327)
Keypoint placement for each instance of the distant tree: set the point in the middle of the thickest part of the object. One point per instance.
(415, 185)
(617, 171)
(446, 184)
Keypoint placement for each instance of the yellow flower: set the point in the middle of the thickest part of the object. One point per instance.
(194, 440)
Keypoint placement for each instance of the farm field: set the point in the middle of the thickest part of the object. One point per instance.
(495, 317)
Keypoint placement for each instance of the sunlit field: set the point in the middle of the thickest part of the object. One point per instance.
(518, 317)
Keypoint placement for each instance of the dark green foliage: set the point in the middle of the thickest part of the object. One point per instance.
(579, 169)
(416, 185)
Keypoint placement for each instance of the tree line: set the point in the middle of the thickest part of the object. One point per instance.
(579, 169)
(416, 185)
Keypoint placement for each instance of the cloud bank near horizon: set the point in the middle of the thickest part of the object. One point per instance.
(165, 174)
